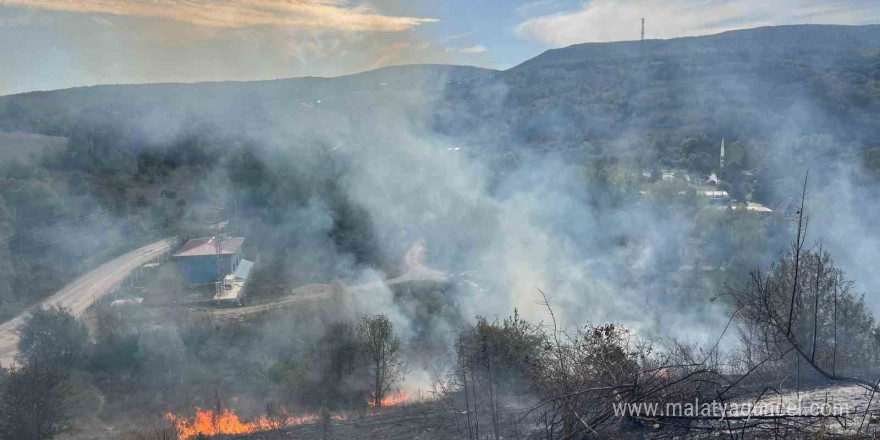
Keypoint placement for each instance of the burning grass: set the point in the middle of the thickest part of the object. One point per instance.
(211, 422)
(398, 398)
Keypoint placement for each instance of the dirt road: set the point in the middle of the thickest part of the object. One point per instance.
(82, 292)
(415, 269)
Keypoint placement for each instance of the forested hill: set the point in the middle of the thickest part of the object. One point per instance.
(774, 84)
(144, 156)
(161, 107)
(806, 39)
(764, 83)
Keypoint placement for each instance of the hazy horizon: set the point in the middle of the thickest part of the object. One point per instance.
(90, 42)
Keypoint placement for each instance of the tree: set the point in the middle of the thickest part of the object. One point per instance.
(52, 337)
(574, 374)
(803, 310)
(698, 154)
(331, 374)
(831, 327)
(493, 362)
(340, 357)
(382, 349)
(116, 339)
(32, 405)
(735, 239)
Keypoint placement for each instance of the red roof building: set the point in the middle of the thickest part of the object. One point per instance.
(200, 262)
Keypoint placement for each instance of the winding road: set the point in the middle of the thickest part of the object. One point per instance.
(82, 292)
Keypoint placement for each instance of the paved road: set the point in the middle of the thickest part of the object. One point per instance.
(82, 292)
(415, 269)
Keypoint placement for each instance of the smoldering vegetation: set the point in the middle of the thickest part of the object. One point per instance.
(571, 192)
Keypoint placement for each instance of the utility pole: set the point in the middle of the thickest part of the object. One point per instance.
(643, 30)
(218, 248)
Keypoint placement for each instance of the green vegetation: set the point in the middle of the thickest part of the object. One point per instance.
(52, 338)
(36, 393)
(33, 404)
(144, 362)
(831, 326)
(381, 348)
(144, 162)
(574, 378)
(640, 127)
(77, 208)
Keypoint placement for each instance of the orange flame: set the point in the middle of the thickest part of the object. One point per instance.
(209, 423)
(391, 400)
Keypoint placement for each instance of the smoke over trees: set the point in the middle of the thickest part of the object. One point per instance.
(492, 365)
(590, 172)
(341, 361)
(52, 338)
(35, 393)
(381, 348)
(33, 402)
(803, 309)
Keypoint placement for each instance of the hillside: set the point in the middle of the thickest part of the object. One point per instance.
(20, 145)
(756, 83)
(148, 108)
(807, 39)
(446, 249)
(784, 98)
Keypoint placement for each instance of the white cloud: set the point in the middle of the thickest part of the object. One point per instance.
(101, 49)
(620, 20)
(468, 50)
(327, 14)
(535, 8)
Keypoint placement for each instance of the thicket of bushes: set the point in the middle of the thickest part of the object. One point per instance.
(509, 378)
(515, 379)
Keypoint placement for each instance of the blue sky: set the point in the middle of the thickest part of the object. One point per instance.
(50, 44)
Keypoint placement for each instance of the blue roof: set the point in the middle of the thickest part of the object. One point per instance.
(244, 269)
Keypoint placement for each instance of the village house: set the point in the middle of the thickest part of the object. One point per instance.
(209, 259)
